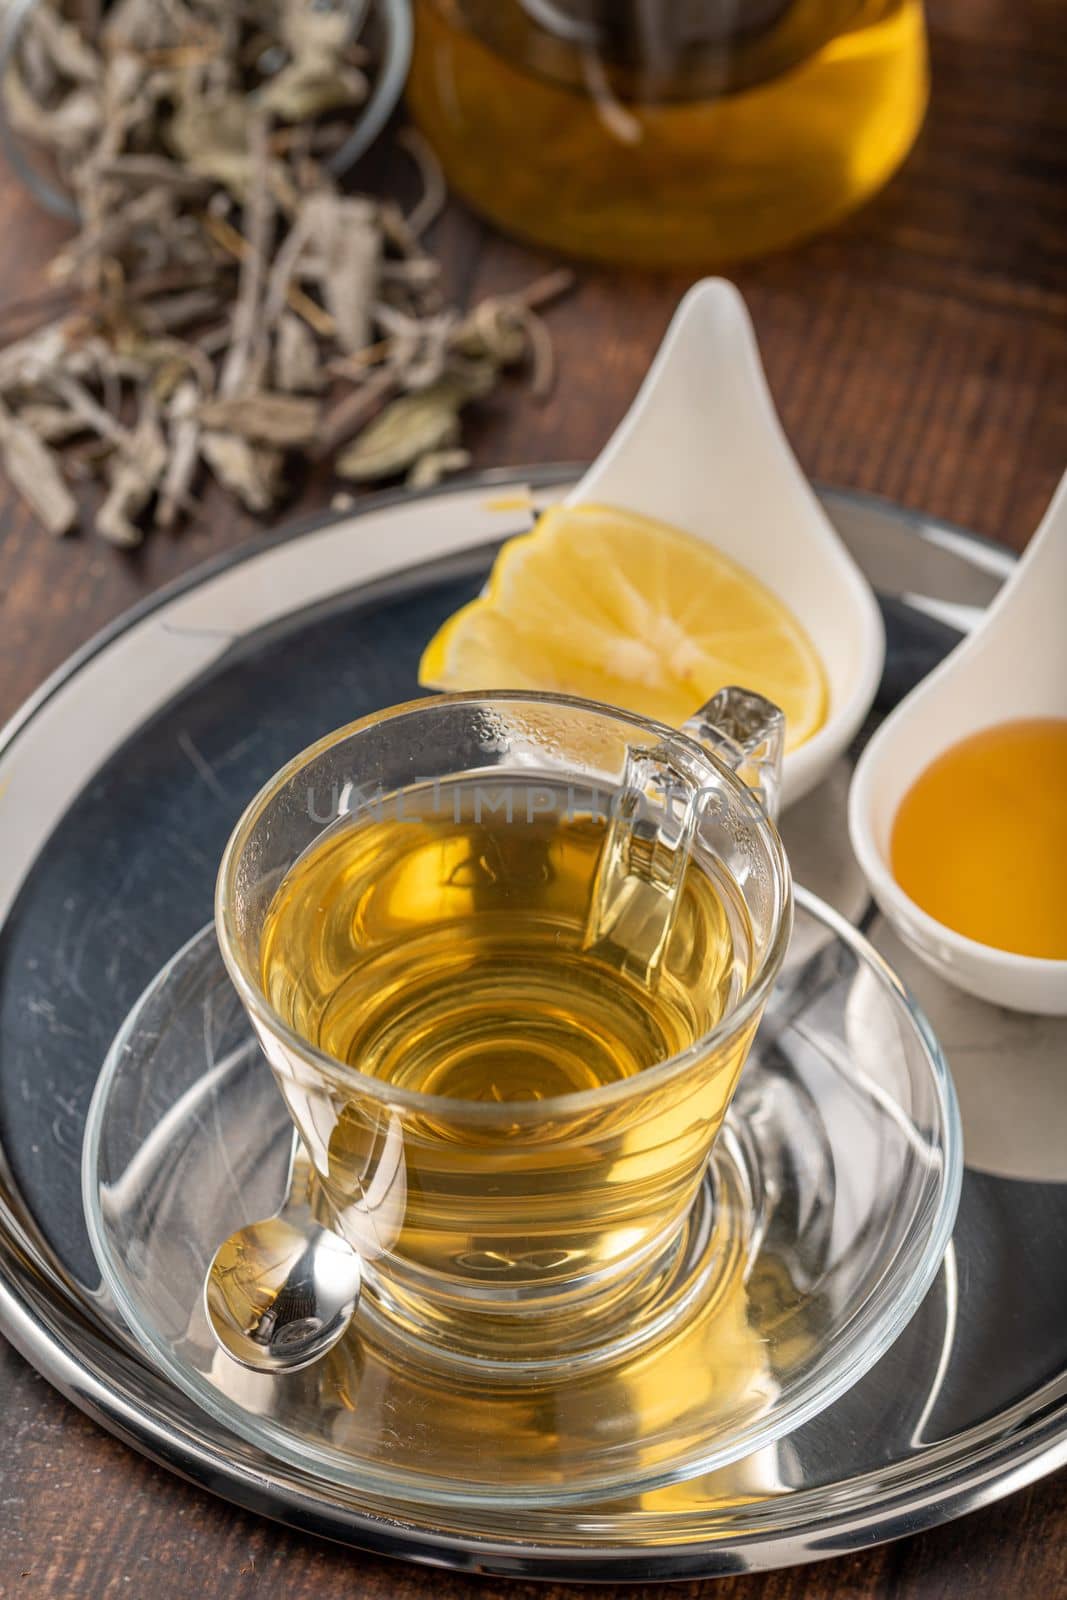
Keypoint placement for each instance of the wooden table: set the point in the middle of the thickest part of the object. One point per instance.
(919, 351)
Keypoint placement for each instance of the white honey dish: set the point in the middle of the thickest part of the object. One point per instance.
(1013, 666)
(702, 447)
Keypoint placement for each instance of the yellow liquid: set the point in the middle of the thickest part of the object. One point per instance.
(791, 125)
(449, 956)
(980, 839)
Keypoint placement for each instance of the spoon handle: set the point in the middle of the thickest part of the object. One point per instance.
(1026, 627)
(302, 1192)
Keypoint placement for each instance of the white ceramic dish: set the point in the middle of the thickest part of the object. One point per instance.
(1014, 665)
(702, 447)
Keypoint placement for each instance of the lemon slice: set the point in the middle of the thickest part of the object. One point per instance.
(616, 607)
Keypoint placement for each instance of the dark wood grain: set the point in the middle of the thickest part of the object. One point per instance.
(919, 351)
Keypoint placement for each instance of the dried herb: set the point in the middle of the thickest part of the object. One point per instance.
(346, 235)
(33, 471)
(296, 356)
(251, 474)
(415, 425)
(183, 441)
(352, 412)
(430, 468)
(134, 478)
(318, 76)
(282, 419)
(223, 304)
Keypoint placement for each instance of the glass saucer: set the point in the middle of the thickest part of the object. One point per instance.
(829, 1204)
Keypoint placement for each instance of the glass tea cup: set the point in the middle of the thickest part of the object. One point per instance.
(505, 954)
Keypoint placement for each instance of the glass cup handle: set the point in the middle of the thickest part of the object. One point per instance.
(651, 830)
(747, 733)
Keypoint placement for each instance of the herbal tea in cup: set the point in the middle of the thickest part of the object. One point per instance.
(506, 955)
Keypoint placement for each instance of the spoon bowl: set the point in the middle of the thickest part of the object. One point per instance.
(1013, 666)
(702, 448)
(280, 1293)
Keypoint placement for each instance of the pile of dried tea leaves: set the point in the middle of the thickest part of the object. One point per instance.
(224, 304)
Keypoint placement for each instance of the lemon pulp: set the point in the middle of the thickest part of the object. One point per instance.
(613, 606)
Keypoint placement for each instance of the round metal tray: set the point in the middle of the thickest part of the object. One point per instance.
(120, 781)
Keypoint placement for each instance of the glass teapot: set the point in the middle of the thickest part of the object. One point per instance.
(668, 132)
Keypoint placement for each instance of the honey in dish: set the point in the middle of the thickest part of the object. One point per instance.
(980, 839)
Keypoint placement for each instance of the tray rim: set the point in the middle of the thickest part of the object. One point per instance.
(51, 1326)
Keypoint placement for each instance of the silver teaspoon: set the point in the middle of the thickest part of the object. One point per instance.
(280, 1293)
